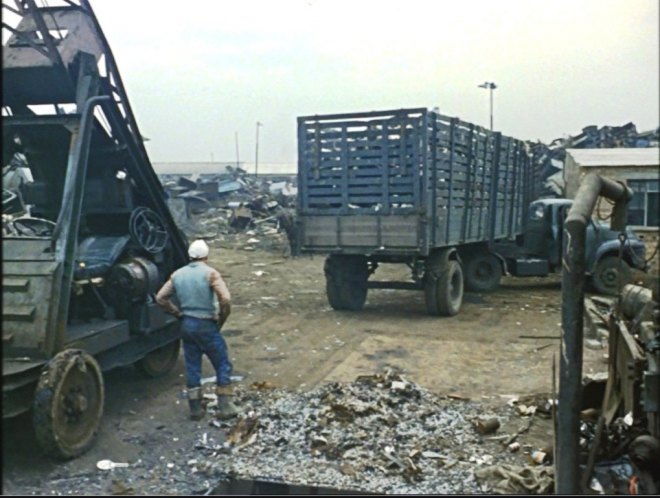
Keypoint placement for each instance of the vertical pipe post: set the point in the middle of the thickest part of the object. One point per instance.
(567, 463)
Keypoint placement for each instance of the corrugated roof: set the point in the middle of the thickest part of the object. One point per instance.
(647, 156)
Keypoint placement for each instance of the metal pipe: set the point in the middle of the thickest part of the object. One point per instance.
(567, 464)
(65, 234)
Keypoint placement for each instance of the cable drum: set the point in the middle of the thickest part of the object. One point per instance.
(633, 299)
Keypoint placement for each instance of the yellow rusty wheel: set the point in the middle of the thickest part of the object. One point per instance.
(68, 404)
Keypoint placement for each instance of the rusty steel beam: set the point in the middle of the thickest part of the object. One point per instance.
(53, 53)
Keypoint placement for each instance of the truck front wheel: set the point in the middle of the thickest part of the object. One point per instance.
(68, 404)
(483, 273)
(605, 278)
(444, 292)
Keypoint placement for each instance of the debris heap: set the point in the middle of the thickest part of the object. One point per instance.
(550, 157)
(381, 433)
(240, 210)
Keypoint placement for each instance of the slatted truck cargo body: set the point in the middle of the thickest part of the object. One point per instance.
(404, 182)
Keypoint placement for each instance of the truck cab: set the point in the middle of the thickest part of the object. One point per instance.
(543, 241)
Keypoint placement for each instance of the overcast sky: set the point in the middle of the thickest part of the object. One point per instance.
(197, 75)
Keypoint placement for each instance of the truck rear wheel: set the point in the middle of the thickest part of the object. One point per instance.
(160, 361)
(483, 273)
(68, 404)
(346, 282)
(605, 278)
(444, 293)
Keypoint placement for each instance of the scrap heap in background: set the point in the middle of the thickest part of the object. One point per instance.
(551, 157)
(218, 206)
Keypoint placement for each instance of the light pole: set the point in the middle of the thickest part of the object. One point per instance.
(491, 86)
(238, 163)
(256, 153)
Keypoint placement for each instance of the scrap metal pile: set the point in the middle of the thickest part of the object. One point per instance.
(620, 438)
(380, 433)
(550, 158)
(244, 210)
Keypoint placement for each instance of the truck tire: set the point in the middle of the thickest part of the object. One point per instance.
(605, 277)
(68, 404)
(346, 282)
(444, 293)
(483, 273)
(160, 361)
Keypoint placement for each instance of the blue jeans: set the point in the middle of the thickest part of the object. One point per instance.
(203, 337)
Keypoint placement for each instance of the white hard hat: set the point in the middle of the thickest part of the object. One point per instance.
(198, 249)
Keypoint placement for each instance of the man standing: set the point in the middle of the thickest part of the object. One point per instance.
(199, 289)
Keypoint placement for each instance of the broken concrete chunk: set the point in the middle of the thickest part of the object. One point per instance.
(487, 426)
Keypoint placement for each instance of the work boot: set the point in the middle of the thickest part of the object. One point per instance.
(195, 403)
(226, 408)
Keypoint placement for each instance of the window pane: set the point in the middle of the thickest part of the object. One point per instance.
(635, 216)
(637, 201)
(652, 214)
(638, 186)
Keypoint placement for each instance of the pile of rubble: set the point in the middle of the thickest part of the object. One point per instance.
(381, 433)
(234, 208)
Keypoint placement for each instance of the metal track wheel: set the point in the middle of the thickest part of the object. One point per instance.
(160, 361)
(68, 404)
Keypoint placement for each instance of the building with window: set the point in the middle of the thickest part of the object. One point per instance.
(639, 168)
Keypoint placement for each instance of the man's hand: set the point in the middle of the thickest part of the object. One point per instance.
(225, 310)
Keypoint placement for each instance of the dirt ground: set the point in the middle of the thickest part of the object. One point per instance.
(283, 330)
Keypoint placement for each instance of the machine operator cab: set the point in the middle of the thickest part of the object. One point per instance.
(87, 235)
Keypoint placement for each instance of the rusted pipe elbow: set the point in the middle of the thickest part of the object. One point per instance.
(591, 187)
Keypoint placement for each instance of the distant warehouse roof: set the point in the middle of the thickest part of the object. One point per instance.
(647, 156)
(218, 167)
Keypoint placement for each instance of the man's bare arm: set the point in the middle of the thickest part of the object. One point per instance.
(224, 297)
(163, 299)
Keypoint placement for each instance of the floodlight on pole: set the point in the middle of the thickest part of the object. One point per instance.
(490, 86)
